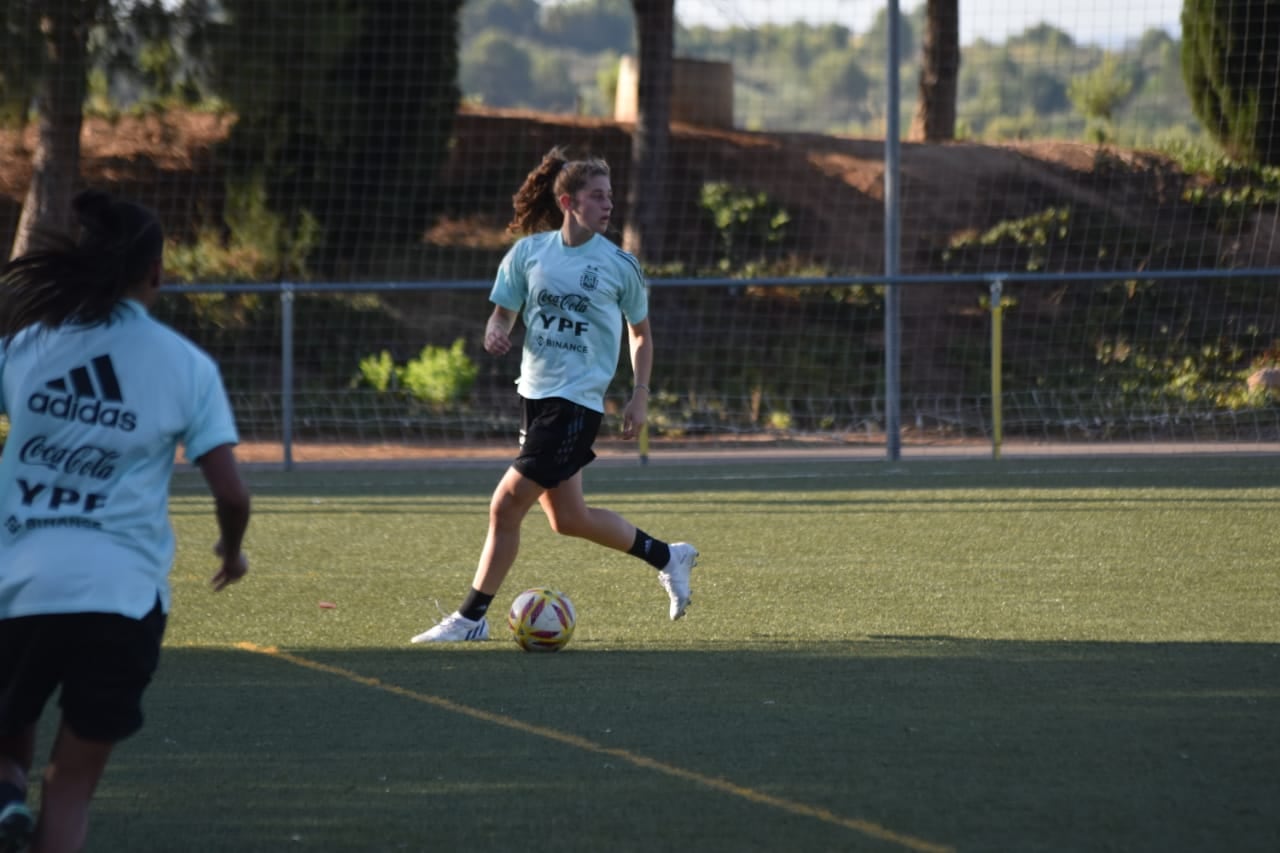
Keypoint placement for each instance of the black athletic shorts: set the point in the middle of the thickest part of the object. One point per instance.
(555, 440)
(103, 662)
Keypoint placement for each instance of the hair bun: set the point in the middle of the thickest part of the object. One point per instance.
(91, 201)
(92, 208)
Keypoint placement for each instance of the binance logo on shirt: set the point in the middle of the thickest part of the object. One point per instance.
(87, 395)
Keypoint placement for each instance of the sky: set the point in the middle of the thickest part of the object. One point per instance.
(1105, 22)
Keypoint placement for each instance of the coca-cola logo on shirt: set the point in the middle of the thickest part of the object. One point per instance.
(87, 460)
(565, 302)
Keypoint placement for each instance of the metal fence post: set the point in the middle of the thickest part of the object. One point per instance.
(286, 374)
(892, 248)
(997, 366)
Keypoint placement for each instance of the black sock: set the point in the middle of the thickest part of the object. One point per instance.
(11, 793)
(655, 552)
(475, 605)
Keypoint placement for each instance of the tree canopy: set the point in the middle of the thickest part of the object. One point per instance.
(1231, 64)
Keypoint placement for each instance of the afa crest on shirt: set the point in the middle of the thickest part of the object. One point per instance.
(590, 279)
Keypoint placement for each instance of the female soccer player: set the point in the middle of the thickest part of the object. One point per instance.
(574, 289)
(98, 396)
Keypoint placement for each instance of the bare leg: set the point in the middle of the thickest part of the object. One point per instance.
(569, 515)
(511, 502)
(72, 776)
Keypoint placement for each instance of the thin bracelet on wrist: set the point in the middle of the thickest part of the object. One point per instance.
(645, 387)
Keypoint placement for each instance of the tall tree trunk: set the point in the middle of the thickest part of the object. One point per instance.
(935, 119)
(64, 25)
(655, 33)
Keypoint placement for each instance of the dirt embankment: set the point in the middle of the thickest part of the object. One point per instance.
(832, 190)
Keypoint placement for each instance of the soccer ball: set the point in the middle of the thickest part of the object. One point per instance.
(542, 620)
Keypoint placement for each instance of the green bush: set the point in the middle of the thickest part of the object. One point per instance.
(260, 245)
(438, 376)
(746, 222)
(379, 372)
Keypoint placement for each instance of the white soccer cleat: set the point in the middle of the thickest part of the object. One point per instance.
(675, 577)
(455, 628)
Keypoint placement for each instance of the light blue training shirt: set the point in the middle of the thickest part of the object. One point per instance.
(573, 300)
(96, 415)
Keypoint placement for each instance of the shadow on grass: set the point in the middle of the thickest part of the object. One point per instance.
(892, 743)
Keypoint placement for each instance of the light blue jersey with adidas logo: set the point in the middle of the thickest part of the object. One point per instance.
(96, 415)
(573, 300)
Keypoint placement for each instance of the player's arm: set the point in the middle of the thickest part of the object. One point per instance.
(497, 332)
(231, 506)
(640, 339)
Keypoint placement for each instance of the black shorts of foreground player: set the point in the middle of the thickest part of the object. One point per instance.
(99, 397)
(574, 290)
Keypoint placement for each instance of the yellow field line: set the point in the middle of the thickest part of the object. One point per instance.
(867, 828)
